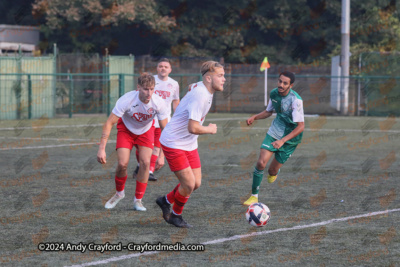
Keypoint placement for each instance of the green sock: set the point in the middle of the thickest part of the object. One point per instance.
(257, 178)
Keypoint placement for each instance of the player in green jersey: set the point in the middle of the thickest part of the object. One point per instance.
(284, 134)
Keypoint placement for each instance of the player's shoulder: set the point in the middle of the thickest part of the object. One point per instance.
(274, 92)
(295, 95)
(129, 95)
(173, 81)
(199, 90)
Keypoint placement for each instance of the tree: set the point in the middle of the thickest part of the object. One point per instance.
(80, 25)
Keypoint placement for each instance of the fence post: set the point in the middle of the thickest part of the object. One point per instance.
(71, 95)
(121, 84)
(29, 97)
(108, 97)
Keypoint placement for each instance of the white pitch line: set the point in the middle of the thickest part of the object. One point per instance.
(45, 138)
(236, 237)
(330, 130)
(51, 126)
(53, 146)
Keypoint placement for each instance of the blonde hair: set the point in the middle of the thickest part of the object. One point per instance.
(210, 66)
(146, 80)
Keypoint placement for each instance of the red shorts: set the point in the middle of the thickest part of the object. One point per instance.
(127, 139)
(180, 159)
(157, 134)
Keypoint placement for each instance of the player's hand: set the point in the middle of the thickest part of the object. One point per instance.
(159, 163)
(249, 121)
(277, 144)
(101, 156)
(213, 128)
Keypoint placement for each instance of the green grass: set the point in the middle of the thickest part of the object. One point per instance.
(56, 194)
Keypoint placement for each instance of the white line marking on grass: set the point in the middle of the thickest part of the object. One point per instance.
(236, 237)
(44, 138)
(328, 130)
(245, 118)
(53, 146)
(51, 126)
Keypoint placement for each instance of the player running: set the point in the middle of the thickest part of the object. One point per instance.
(179, 140)
(168, 89)
(284, 134)
(134, 112)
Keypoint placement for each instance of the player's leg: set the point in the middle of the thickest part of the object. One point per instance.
(197, 176)
(121, 175)
(125, 142)
(156, 152)
(142, 177)
(187, 182)
(281, 156)
(135, 172)
(180, 163)
(258, 173)
(273, 170)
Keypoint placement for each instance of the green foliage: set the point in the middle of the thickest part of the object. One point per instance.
(287, 31)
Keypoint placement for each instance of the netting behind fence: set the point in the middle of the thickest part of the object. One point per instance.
(381, 94)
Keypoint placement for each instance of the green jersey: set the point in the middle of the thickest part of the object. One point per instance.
(289, 110)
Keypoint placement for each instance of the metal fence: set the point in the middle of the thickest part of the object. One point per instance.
(70, 94)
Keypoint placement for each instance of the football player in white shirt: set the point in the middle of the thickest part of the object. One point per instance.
(168, 89)
(134, 112)
(179, 140)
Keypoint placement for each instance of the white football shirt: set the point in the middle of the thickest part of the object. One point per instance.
(193, 106)
(138, 116)
(167, 90)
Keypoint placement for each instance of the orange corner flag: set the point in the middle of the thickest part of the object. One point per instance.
(265, 64)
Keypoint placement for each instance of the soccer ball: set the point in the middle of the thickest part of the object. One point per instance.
(258, 214)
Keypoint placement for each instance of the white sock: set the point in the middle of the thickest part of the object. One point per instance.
(150, 172)
(121, 193)
(135, 199)
(254, 195)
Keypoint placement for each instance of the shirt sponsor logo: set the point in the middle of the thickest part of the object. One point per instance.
(140, 117)
(163, 94)
(274, 101)
(151, 111)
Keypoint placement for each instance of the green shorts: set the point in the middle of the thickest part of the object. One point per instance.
(282, 154)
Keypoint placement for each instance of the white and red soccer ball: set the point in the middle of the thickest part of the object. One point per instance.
(258, 214)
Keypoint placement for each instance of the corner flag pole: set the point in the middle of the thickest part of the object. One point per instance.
(264, 67)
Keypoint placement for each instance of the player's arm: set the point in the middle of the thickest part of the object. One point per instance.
(195, 127)
(262, 115)
(175, 101)
(101, 154)
(298, 130)
(175, 104)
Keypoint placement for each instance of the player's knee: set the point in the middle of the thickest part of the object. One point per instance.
(261, 164)
(188, 188)
(145, 164)
(122, 166)
(197, 185)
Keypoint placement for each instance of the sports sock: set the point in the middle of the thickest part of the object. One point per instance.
(140, 189)
(153, 161)
(179, 203)
(257, 178)
(171, 195)
(120, 183)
